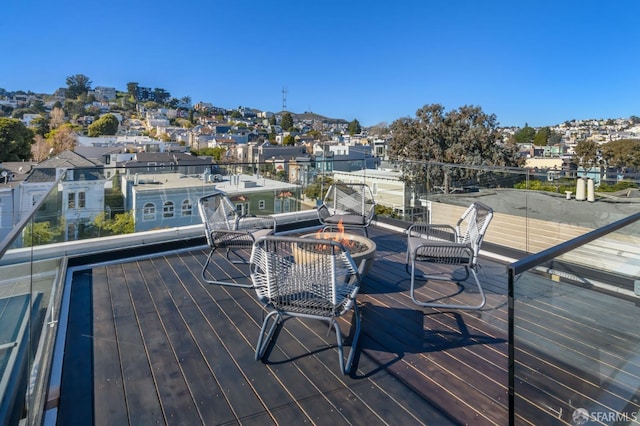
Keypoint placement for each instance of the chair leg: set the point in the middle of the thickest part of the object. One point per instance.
(210, 281)
(264, 340)
(346, 367)
(483, 298)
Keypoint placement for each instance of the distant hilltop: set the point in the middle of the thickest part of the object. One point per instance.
(312, 116)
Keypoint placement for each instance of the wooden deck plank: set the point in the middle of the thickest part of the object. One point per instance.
(143, 405)
(216, 333)
(107, 373)
(176, 401)
(172, 306)
(282, 406)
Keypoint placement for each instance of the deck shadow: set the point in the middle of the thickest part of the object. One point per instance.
(389, 334)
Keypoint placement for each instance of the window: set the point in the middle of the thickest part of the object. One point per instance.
(71, 200)
(287, 205)
(82, 199)
(187, 208)
(168, 209)
(149, 212)
(239, 209)
(277, 205)
(261, 204)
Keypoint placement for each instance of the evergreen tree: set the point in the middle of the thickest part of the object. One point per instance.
(105, 125)
(15, 140)
(354, 128)
(77, 85)
(287, 122)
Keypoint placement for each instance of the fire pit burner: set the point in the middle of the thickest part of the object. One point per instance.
(360, 247)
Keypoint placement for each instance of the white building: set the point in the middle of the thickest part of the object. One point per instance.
(388, 189)
(80, 193)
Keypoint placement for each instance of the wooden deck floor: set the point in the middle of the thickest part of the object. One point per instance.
(150, 343)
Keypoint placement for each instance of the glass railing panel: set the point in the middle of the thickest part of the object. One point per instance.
(30, 291)
(534, 211)
(83, 206)
(575, 347)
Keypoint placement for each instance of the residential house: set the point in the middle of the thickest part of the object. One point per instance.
(80, 196)
(166, 162)
(170, 199)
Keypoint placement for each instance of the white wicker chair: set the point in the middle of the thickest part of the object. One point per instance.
(449, 245)
(226, 229)
(306, 278)
(350, 204)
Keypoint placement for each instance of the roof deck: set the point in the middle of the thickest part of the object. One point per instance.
(150, 342)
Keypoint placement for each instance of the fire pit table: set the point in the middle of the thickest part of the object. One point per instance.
(361, 248)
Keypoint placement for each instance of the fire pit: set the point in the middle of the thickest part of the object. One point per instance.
(360, 247)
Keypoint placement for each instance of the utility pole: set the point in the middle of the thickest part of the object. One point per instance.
(284, 98)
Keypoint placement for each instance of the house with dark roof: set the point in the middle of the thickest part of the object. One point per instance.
(188, 164)
(80, 191)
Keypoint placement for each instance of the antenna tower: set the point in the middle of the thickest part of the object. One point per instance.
(284, 98)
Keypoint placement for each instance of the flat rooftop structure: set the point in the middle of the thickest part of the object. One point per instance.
(229, 184)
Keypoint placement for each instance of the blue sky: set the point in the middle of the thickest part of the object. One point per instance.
(541, 62)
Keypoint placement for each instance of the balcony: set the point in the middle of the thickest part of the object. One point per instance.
(122, 329)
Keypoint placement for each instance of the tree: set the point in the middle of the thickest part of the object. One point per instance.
(525, 135)
(289, 140)
(56, 117)
(160, 95)
(586, 153)
(216, 153)
(38, 234)
(105, 125)
(122, 223)
(151, 105)
(74, 108)
(542, 137)
(77, 85)
(465, 136)
(40, 126)
(315, 190)
(63, 138)
(40, 149)
(132, 89)
(15, 140)
(379, 129)
(546, 136)
(622, 154)
(354, 128)
(286, 122)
